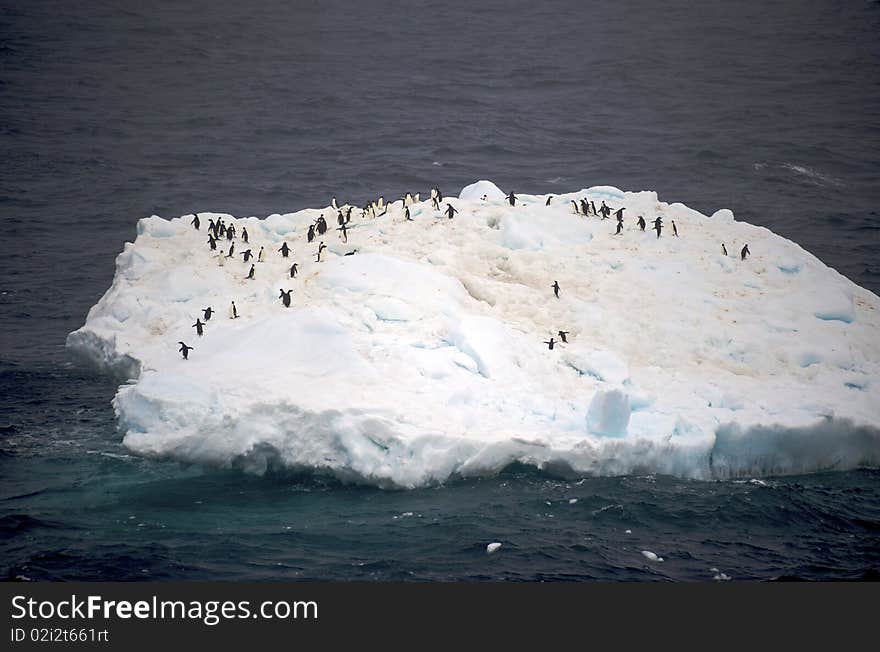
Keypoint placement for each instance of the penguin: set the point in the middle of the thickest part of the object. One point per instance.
(260, 256)
(231, 250)
(433, 192)
(641, 223)
(344, 233)
(184, 349)
(555, 287)
(195, 221)
(285, 298)
(212, 227)
(619, 214)
(222, 229)
(212, 242)
(511, 198)
(619, 225)
(348, 214)
(450, 210)
(199, 326)
(407, 199)
(321, 247)
(233, 311)
(322, 225)
(293, 270)
(284, 250)
(333, 203)
(549, 197)
(247, 255)
(550, 343)
(231, 229)
(723, 249)
(658, 225)
(340, 218)
(585, 208)
(439, 195)
(575, 204)
(244, 234)
(406, 214)
(434, 203)
(311, 234)
(221, 260)
(208, 312)
(605, 210)
(380, 203)
(674, 229)
(251, 273)
(562, 335)
(351, 253)
(745, 252)
(593, 206)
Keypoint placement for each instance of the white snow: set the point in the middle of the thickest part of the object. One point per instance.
(422, 356)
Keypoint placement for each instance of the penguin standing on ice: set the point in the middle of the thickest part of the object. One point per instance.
(334, 204)
(184, 349)
(311, 234)
(208, 312)
(605, 210)
(549, 197)
(212, 242)
(244, 235)
(221, 260)
(344, 233)
(450, 210)
(348, 213)
(658, 225)
(230, 232)
(585, 208)
(407, 199)
(641, 223)
(233, 311)
(212, 228)
(745, 252)
(285, 298)
(284, 250)
(562, 335)
(674, 229)
(511, 198)
(549, 343)
(246, 255)
(340, 218)
(555, 287)
(260, 256)
(723, 249)
(195, 221)
(619, 222)
(321, 225)
(435, 203)
(321, 247)
(407, 215)
(231, 250)
(593, 206)
(251, 273)
(199, 326)
(293, 270)
(351, 253)
(576, 209)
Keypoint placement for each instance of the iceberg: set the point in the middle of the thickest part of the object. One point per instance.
(421, 357)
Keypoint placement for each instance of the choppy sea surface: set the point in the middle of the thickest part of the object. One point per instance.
(114, 111)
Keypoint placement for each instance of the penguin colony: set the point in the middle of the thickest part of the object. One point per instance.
(219, 230)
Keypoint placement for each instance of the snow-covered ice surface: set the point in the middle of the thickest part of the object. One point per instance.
(422, 356)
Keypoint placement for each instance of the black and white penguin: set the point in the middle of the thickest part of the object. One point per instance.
(549, 197)
(555, 287)
(285, 298)
(293, 270)
(184, 349)
(285, 250)
(199, 326)
(674, 229)
(244, 234)
(260, 256)
(562, 335)
(745, 252)
(334, 204)
(195, 221)
(246, 255)
(208, 312)
(450, 210)
(251, 273)
(511, 198)
(641, 223)
(549, 343)
(321, 247)
(233, 311)
(723, 249)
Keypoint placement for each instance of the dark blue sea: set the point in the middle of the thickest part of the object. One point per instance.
(113, 111)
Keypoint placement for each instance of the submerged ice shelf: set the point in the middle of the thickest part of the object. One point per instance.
(422, 356)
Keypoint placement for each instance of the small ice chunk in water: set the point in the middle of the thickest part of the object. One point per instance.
(572, 501)
(629, 531)
(492, 547)
(652, 556)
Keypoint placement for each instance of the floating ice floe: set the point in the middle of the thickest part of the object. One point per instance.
(422, 356)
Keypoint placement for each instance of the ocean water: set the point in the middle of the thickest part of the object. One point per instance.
(114, 111)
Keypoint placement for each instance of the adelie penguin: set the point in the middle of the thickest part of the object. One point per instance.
(340, 218)
(285, 298)
(233, 311)
(585, 207)
(293, 270)
(549, 197)
(200, 327)
(619, 224)
(555, 287)
(311, 234)
(576, 209)
(334, 204)
(260, 256)
(284, 250)
(195, 221)
(658, 225)
(231, 250)
(406, 214)
(641, 223)
(511, 198)
(251, 273)
(321, 247)
(745, 252)
(674, 229)
(246, 255)
(549, 343)
(562, 335)
(244, 235)
(184, 349)
(208, 312)
(450, 210)
(344, 230)
(212, 242)
(723, 249)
